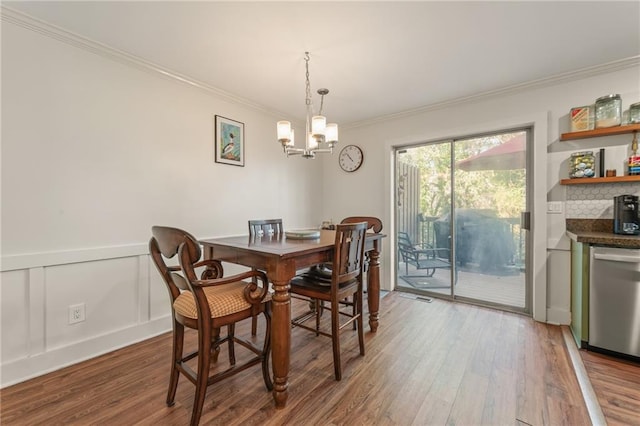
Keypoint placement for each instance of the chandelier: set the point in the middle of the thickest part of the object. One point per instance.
(320, 136)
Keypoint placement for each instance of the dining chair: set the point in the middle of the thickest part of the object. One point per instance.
(259, 228)
(373, 223)
(207, 304)
(323, 271)
(346, 281)
(268, 227)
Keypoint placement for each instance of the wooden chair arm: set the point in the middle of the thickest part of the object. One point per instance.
(253, 292)
(208, 262)
(213, 269)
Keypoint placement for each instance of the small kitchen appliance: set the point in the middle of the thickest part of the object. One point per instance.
(625, 215)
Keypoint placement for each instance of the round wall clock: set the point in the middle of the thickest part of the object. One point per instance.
(350, 158)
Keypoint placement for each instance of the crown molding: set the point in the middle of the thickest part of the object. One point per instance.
(28, 22)
(513, 89)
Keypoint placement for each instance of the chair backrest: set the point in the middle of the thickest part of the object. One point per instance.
(372, 222)
(405, 240)
(164, 244)
(269, 226)
(406, 247)
(348, 256)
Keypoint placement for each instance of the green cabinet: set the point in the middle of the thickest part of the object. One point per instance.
(580, 292)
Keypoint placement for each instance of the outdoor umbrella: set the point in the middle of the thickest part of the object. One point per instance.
(507, 156)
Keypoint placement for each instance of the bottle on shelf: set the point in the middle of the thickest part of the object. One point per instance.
(634, 158)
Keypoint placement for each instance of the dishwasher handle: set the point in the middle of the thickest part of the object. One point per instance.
(616, 257)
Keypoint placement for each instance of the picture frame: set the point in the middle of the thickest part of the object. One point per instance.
(229, 141)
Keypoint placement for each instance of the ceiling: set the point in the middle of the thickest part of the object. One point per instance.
(376, 58)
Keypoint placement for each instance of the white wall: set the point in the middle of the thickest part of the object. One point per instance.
(94, 152)
(96, 149)
(546, 106)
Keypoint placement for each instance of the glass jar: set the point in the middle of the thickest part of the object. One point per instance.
(581, 118)
(582, 164)
(608, 111)
(634, 113)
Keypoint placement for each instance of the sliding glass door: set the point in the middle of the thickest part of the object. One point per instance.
(461, 219)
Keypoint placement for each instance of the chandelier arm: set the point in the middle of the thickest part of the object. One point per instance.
(323, 150)
(294, 151)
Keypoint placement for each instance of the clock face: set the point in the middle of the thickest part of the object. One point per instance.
(350, 158)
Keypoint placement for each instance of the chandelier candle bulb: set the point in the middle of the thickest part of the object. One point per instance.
(292, 141)
(313, 142)
(318, 126)
(331, 133)
(284, 131)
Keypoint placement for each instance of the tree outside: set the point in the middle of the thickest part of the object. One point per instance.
(500, 190)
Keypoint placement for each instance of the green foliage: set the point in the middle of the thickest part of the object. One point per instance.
(502, 191)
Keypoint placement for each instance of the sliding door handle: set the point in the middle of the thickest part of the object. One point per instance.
(525, 220)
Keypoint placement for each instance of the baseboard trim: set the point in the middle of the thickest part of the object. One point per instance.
(588, 394)
(24, 369)
(558, 316)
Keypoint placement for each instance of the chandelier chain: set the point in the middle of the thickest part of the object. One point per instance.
(308, 87)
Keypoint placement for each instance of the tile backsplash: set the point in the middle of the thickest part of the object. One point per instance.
(596, 201)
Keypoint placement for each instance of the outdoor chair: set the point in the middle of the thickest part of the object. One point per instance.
(423, 258)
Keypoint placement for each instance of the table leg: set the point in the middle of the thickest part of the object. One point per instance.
(281, 340)
(373, 287)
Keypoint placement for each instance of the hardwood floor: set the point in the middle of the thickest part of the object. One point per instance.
(616, 384)
(429, 363)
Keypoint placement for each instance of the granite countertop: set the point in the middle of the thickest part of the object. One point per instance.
(600, 232)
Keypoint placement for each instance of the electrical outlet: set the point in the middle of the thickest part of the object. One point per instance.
(76, 313)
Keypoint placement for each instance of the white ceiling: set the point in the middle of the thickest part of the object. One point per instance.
(376, 58)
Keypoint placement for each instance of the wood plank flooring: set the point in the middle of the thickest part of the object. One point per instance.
(616, 384)
(429, 363)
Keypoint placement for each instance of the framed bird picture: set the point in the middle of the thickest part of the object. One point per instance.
(229, 141)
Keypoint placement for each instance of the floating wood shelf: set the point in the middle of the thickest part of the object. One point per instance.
(586, 181)
(609, 131)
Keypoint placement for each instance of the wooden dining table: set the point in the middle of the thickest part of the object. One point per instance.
(280, 257)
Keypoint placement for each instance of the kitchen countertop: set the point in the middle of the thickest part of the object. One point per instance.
(599, 232)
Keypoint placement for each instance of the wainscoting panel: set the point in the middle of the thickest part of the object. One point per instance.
(125, 302)
(158, 293)
(14, 302)
(107, 288)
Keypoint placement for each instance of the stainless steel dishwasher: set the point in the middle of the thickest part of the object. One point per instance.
(614, 300)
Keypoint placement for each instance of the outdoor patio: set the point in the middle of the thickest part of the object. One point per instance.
(507, 289)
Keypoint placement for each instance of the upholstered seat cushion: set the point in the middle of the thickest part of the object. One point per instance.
(223, 300)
